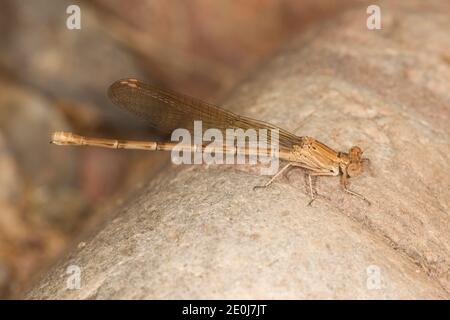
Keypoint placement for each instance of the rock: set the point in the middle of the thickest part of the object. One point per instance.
(204, 234)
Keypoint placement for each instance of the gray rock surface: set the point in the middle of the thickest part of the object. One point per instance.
(198, 232)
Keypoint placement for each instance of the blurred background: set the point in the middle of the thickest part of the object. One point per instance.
(53, 78)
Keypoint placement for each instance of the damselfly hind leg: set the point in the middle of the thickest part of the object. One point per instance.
(273, 178)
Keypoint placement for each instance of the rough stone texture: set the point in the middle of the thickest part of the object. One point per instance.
(197, 232)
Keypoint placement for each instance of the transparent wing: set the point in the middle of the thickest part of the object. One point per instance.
(166, 110)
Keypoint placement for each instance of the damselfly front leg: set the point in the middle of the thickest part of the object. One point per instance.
(344, 183)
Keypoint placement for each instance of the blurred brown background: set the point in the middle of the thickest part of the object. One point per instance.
(52, 78)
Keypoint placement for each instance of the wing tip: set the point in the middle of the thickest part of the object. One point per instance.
(122, 83)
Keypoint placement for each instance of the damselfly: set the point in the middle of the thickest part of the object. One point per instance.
(165, 111)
